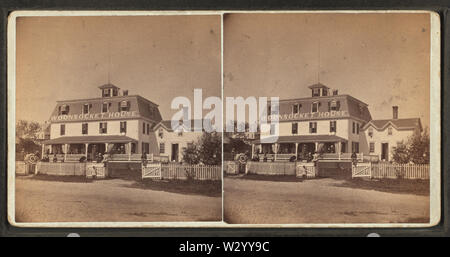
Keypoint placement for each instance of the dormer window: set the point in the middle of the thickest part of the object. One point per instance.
(390, 131)
(334, 105)
(324, 92)
(161, 133)
(315, 106)
(63, 109)
(115, 92)
(296, 108)
(86, 108)
(124, 106)
(105, 107)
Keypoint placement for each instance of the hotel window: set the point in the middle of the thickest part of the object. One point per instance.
(124, 106)
(86, 108)
(115, 92)
(103, 128)
(84, 128)
(269, 109)
(315, 107)
(390, 131)
(105, 107)
(372, 147)
(324, 92)
(63, 110)
(316, 92)
(106, 92)
(161, 133)
(296, 108)
(333, 105)
(148, 129)
(162, 148)
(294, 128)
(333, 126)
(62, 129)
(313, 127)
(123, 127)
(355, 128)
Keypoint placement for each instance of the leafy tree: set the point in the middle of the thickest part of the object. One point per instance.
(191, 154)
(401, 153)
(210, 148)
(416, 149)
(27, 134)
(419, 147)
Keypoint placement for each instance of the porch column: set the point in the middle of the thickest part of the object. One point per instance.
(276, 151)
(86, 150)
(296, 150)
(316, 147)
(43, 150)
(66, 147)
(253, 150)
(129, 151)
(106, 147)
(339, 149)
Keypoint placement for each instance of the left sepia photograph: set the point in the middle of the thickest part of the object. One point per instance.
(105, 128)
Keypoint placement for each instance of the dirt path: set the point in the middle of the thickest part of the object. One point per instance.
(317, 201)
(108, 200)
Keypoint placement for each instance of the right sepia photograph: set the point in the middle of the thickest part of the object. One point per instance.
(330, 118)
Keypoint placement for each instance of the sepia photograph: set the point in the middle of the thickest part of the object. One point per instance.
(336, 118)
(98, 135)
(224, 119)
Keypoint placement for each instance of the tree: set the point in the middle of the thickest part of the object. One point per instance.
(191, 154)
(401, 154)
(210, 148)
(416, 149)
(27, 134)
(419, 147)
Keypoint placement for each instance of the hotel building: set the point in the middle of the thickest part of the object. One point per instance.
(118, 123)
(330, 123)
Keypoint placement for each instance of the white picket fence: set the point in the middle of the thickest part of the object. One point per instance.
(390, 170)
(61, 168)
(182, 171)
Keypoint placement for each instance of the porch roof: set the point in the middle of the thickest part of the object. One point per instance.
(306, 139)
(90, 139)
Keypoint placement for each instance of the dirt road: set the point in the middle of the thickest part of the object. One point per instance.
(317, 201)
(108, 200)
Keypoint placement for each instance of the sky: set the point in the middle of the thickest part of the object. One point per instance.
(381, 59)
(157, 57)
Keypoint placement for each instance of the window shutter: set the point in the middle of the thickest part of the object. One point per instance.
(338, 105)
(329, 106)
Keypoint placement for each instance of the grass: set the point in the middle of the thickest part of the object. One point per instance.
(189, 187)
(405, 186)
(56, 178)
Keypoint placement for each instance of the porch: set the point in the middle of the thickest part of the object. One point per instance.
(89, 148)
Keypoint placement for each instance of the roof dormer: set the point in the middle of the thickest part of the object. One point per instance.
(109, 90)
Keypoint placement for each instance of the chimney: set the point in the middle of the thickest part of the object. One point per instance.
(395, 112)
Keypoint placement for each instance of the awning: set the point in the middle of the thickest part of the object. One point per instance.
(306, 139)
(89, 139)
